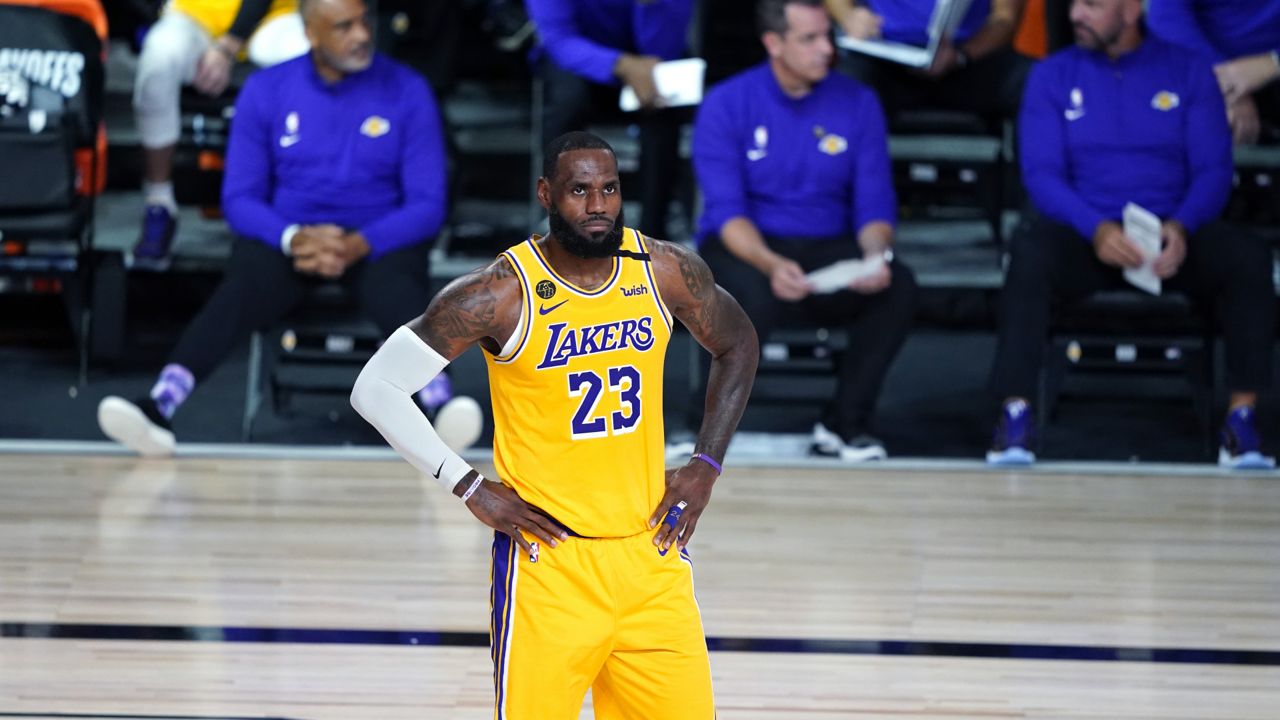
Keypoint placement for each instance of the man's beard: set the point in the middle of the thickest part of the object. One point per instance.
(347, 64)
(1087, 39)
(597, 245)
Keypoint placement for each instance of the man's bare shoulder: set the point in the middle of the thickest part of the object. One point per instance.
(681, 272)
(480, 306)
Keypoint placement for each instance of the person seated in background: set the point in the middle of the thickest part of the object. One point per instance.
(335, 172)
(1123, 117)
(1242, 38)
(589, 46)
(976, 71)
(195, 42)
(793, 162)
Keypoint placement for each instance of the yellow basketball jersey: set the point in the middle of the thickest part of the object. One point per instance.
(577, 394)
(216, 16)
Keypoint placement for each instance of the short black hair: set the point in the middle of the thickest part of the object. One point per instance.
(576, 140)
(771, 15)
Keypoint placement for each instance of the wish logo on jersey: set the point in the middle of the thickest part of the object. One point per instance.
(567, 343)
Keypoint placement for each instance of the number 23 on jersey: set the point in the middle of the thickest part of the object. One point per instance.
(623, 381)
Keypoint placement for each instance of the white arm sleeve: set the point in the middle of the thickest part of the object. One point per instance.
(383, 395)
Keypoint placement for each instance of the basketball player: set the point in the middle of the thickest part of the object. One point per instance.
(574, 328)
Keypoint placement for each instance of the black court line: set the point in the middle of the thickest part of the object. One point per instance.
(331, 636)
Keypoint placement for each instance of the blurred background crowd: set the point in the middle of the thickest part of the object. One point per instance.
(233, 201)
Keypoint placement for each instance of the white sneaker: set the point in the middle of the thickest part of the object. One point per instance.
(1252, 460)
(860, 449)
(459, 422)
(1011, 457)
(825, 442)
(132, 426)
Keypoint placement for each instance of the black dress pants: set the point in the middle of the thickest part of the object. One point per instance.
(1050, 260)
(877, 324)
(259, 287)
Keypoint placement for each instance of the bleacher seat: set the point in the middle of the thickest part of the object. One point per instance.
(797, 365)
(1123, 333)
(318, 349)
(952, 160)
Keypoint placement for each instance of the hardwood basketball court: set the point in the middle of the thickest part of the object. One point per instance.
(324, 584)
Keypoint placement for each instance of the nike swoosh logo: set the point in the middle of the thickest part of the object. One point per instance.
(437, 472)
(543, 309)
(288, 140)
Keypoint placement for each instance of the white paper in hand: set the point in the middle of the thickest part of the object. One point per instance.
(1143, 228)
(679, 83)
(838, 275)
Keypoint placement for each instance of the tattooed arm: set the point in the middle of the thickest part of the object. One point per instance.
(718, 323)
(480, 307)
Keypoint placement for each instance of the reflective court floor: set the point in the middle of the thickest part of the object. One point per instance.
(322, 584)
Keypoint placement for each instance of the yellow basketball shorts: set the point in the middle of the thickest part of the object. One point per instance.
(609, 614)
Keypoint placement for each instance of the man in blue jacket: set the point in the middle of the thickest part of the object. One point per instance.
(976, 70)
(335, 171)
(793, 162)
(1125, 118)
(1242, 39)
(587, 50)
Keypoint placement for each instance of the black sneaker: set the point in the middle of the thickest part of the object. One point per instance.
(138, 425)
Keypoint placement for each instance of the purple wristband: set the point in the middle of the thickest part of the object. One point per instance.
(708, 460)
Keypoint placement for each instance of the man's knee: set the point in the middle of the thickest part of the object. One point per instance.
(566, 97)
(1233, 256)
(737, 277)
(1252, 254)
(903, 285)
(1031, 256)
(158, 85)
(254, 263)
(396, 287)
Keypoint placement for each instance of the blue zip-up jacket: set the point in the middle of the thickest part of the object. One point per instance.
(908, 20)
(1219, 29)
(814, 167)
(586, 37)
(366, 153)
(1148, 128)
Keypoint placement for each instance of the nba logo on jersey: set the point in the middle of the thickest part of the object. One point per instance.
(533, 552)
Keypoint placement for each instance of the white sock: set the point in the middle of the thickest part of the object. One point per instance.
(161, 194)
